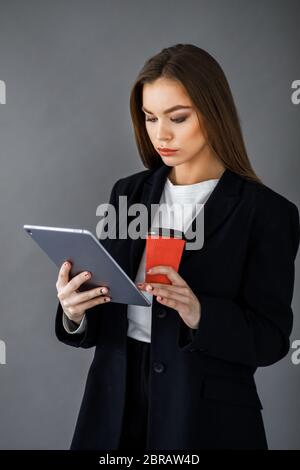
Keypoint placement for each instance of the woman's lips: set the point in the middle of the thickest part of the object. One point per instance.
(167, 151)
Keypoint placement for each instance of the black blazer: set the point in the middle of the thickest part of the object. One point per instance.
(203, 395)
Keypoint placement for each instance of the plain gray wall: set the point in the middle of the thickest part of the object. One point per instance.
(66, 137)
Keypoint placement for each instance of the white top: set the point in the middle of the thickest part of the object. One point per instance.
(183, 198)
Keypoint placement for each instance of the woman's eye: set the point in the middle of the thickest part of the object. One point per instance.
(181, 119)
(177, 120)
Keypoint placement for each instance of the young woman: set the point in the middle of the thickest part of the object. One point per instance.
(179, 374)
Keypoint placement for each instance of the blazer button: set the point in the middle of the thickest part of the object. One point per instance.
(162, 314)
(158, 367)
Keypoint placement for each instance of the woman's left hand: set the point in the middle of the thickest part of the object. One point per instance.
(178, 295)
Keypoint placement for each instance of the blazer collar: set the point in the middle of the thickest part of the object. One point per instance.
(219, 205)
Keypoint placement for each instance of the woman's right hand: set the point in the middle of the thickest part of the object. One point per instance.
(75, 303)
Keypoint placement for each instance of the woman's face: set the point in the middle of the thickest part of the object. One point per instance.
(178, 129)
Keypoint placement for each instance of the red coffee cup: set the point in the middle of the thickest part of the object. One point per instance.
(164, 247)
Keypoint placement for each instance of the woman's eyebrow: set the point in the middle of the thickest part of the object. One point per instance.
(174, 108)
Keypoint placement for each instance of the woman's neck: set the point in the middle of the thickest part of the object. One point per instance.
(184, 174)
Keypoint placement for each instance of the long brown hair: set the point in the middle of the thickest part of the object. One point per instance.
(208, 88)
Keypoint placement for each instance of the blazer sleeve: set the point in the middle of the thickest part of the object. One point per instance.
(88, 338)
(255, 329)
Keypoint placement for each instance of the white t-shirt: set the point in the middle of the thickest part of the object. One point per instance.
(139, 318)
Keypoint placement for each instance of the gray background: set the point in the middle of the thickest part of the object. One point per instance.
(66, 137)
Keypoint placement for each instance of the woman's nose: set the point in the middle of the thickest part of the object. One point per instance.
(163, 135)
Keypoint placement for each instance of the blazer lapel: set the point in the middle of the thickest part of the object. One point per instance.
(217, 209)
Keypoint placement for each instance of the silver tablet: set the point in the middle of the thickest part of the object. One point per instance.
(86, 253)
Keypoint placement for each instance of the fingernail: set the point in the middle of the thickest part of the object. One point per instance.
(149, 271)
(103, 291)
(149, 287)
(87, 274)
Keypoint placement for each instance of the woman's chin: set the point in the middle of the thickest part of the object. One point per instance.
(170, 161)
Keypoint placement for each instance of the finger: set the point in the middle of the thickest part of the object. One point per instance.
(74, 284)
(185, 290)
(178, 305)
(156, 289)
(167, 294)
(78, 308)
(63, 275)
(181, 293)
(81, 297)
(169, 272)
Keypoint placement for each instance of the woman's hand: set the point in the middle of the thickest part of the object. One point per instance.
(75, 303)
(178, 295)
